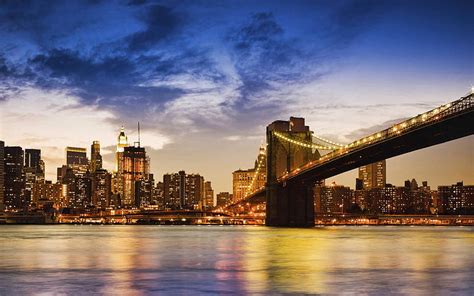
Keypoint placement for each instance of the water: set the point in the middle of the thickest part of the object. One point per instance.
(192, 260)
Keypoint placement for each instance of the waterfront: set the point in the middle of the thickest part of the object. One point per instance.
(141, 259)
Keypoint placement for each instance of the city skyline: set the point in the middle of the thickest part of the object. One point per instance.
(204, 88)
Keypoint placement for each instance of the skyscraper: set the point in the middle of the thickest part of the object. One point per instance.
(2, 175)
(96, 158)
(76, 158)
(33, 170)
(117, 179)
(133, 167)
(101, 188)
(183, 191)
(373, 175)
(14, 178)
(122, 142)
(208, 195)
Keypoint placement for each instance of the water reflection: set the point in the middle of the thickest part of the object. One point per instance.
(136, 260)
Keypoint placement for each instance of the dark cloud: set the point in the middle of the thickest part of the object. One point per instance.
(112, 82)
(263, 54)
(160, 22)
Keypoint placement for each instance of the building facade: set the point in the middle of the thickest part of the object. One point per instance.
(246, 181)
(14, 178)
(373, 175)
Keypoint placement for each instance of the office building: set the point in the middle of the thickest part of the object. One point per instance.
(2, 175)
(223, 198)
(76, 159)
(132, 167)
(373, 175)
(101, 188)
(456, 199)
(96, 158)
(332, 199)
(183, 191)
(14, 178)
(208, 196)
(245, 181)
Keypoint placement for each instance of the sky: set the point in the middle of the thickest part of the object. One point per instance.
(205, 78)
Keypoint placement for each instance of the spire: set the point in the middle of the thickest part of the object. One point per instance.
(122, 140)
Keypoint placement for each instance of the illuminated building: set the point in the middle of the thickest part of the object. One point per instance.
(45, 191)
(33, 170)
(223, 198)
(144, 191)
(76, 159)
(122, 142)
(420, 198)
(14, 178)
(158, 195)
(117, 183)
(101, 188)
(373, 175)
(208, 195)
(245, 181)
(456, 199)
(61, 172)
(96, 158)
(78, 189)
(2, 175)
(132, 167)
(183, 191)
(332, 199)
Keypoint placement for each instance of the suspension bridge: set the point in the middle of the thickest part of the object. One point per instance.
(294, 162)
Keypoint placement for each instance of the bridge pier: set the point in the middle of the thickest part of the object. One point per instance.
(290, 205)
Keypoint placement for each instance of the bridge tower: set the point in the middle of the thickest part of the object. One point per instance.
(288, 203)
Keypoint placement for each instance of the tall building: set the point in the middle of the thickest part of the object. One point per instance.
(96, 158)
(133, 167)
(101, 188)
(76, 158)
(61, 172)
(373, 175)
(33, 158)
(122, 142)
(242, 179)
(2, 175)
(144, 191)
(14, 178)
(183, 191)
(208, 195)
(117, 178)
(33, 170)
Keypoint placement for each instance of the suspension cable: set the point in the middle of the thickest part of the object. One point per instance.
(255, 176)
(304, 143)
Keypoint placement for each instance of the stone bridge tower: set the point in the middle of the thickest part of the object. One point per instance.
(288, 203)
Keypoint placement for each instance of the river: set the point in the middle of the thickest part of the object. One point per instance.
(193, 260)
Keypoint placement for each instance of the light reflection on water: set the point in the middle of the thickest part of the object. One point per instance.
(135, 260)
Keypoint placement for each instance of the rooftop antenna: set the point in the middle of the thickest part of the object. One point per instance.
(139, 134)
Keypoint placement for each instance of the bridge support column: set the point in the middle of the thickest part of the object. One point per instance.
(290, 204)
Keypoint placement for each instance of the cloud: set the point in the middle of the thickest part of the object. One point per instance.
(53, 120)
(160, 22)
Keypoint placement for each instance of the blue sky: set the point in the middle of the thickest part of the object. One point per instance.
(204, 78)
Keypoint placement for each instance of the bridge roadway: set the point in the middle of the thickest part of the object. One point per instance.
(448, 122)
(397, 140)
